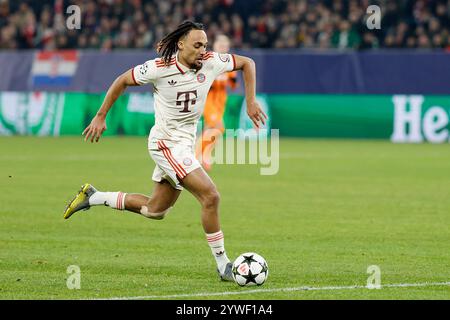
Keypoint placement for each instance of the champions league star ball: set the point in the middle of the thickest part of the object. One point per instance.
(250, 269)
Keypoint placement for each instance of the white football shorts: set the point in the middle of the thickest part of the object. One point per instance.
(173, 161)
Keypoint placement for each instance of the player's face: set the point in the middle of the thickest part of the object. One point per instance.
(193, 47)
(222, 44)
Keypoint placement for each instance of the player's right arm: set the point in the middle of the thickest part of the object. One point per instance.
(98, 125)
(139, 75)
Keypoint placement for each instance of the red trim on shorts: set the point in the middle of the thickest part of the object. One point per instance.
(173, 159)
(161, 148)
(174, 165)
(181, 173)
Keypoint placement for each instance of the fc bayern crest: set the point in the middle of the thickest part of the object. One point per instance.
(187, 162)
(201, 77)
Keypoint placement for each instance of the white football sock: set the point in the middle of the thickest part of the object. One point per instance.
(216, 243)
(114, 200)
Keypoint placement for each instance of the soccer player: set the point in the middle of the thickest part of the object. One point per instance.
(181, 80)
(215, 107)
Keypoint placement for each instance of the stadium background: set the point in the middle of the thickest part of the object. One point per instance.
(321, 73)
(304, 50)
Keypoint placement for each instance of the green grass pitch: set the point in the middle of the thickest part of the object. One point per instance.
(335, 208)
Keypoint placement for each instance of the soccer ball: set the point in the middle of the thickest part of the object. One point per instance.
(250, 269)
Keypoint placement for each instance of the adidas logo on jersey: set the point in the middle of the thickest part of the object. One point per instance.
(171, 82)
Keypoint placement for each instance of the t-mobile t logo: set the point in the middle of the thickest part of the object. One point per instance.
(187, 99)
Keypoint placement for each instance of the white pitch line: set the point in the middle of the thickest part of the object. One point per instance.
(231, 293)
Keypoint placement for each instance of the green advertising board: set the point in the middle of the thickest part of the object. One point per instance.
(400, 118)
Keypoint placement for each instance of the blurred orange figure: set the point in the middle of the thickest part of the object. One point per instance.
(213, 126)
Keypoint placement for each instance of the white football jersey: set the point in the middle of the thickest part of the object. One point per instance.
(180, 94)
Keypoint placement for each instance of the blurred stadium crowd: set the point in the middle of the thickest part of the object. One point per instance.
(323, 24)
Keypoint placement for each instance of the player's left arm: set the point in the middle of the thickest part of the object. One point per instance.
(248, 67)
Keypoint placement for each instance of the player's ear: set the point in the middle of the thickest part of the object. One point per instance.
(180, 45)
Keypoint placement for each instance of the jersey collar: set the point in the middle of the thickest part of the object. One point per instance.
(183, 69)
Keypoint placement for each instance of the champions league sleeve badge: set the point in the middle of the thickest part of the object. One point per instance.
(224, 57)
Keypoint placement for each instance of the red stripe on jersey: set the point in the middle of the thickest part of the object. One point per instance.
(182, 72)
(161, 61)
(234, 62)
(165, 65)
(132, 75)
(208, 55)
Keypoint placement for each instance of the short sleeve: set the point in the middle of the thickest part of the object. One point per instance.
(223, 62)
(145, 73)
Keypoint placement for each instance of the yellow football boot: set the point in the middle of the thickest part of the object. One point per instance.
(81, 200)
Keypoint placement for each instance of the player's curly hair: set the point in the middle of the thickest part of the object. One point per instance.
(169, 44)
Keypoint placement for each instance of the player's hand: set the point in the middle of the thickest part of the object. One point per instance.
(256, 114)
(95, 129)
